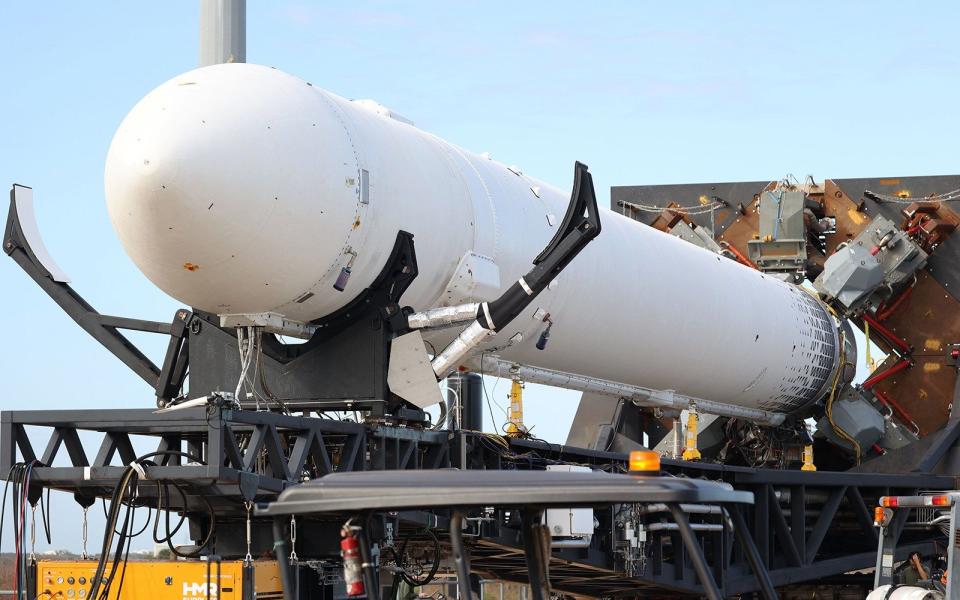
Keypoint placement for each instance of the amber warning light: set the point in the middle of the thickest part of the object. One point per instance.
(644, 461)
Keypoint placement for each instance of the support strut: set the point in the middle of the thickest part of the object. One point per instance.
(34, 260)
(581, 224)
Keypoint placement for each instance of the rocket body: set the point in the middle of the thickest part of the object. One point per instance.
(238, 188)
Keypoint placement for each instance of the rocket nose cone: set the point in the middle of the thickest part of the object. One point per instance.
(216, 175)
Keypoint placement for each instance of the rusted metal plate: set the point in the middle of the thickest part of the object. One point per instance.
(944, 264)
(928, 321)
(690, 194)
(744, 227)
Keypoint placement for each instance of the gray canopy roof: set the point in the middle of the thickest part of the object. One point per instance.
(403, 490)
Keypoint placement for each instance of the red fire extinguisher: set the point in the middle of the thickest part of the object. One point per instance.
(352, 563)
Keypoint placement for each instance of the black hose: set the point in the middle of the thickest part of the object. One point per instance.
(281, 551)
(113, 517)
(123, 494)
(412, 581)
(460, 559)
(19, 478)
(168, 538)
(45, 516)
(371, 584)
(3, 508)
(146, 523)
(126, 555)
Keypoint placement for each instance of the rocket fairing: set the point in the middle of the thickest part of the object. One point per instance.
(238, 188)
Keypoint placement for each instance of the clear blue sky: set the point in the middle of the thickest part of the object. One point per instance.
(643, 92)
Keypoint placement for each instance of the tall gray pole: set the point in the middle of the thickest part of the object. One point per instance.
(953, 554)
(223, 31)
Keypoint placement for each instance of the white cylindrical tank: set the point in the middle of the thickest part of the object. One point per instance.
(238, 188)
(907, 592)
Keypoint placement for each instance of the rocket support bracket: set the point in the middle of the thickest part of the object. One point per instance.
(22, 242)
(345, 363)
(383, 295)
(581, 224)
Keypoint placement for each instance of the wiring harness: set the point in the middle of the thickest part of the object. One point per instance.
(19, 479)
(123, 505)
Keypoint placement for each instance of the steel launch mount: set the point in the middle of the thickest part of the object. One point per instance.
(801, 526)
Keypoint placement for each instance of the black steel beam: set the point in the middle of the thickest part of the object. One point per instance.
(946, 439)
(693, 548)
(783, 530)
(825, 568)
(135, 324)
(798, 518)
(742, 533)
(834, 478)
(297, 446)
(536, 544)
(863, 514)
(104, 330)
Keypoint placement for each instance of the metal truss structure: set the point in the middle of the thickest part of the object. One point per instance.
(803, 525)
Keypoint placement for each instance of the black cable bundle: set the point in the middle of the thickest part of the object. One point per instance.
(124, 492)
(123, 501)
(19, 477)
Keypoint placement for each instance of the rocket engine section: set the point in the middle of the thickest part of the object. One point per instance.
(239, 189)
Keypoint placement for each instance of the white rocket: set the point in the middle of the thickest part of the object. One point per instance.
(238, 188)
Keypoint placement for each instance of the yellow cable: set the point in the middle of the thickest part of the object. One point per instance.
(833, 394)
(833, 390)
